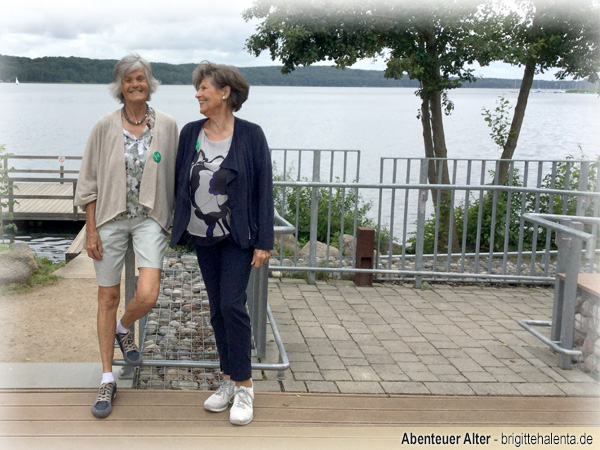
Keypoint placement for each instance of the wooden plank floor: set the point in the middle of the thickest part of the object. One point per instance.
(45, 209)
(28, 417)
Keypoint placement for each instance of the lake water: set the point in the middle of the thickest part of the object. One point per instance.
(55, 119)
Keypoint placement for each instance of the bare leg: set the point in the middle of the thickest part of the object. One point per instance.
(145, 296)
(108, 303)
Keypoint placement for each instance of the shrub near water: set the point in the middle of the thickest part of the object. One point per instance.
(566, 177)
(337, 209)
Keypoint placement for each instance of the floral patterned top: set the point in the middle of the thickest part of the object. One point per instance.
(136, 152)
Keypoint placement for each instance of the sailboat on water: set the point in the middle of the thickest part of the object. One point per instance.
(16, 81)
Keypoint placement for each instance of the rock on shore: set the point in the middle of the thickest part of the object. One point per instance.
(17, 264)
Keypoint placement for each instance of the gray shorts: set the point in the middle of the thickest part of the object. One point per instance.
(149, 244)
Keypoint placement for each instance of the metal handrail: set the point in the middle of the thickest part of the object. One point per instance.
(546, 220)
(427, 186)
(258, 308)
(570, 237)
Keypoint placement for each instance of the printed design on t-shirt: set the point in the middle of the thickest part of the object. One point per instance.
(208, 194)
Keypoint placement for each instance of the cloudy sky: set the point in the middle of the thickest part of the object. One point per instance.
(171, 31)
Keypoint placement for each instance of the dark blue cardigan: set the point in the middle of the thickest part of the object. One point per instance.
(249, 185)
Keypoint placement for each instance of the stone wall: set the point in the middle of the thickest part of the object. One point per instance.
(587, 332)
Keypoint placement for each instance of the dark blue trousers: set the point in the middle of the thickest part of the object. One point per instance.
(225, 269)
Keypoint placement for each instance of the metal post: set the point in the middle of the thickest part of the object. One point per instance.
(562, 242)
(257, 293)
(74, 207)
(126, 372)
(570, 294)
(314, 215)
(582, 201)
(365, 240)
(262, 287)
(62, 174)
(421, 222)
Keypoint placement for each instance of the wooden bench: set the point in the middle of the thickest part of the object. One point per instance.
(587, 283)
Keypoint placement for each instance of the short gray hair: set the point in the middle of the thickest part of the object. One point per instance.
(127, 65)
(221, 76)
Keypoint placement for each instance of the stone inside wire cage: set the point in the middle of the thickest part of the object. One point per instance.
(178, 328)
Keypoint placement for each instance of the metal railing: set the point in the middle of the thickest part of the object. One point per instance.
(322, 193)
(485, 238)
(258, 309)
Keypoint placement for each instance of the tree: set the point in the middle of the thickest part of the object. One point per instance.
(433, 42)
(546, 34)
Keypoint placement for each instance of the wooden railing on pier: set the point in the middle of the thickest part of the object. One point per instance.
(41, 193)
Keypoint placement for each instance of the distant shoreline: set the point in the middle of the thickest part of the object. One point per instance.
(544, 90)
(72, 70)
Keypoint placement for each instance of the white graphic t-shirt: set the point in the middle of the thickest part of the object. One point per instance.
(208, 181)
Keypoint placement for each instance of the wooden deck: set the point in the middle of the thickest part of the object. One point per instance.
(45, 201)
(30, 418)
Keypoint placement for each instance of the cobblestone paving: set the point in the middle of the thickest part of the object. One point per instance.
(394, 339)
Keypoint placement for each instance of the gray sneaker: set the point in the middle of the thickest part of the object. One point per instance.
(222, 398)
(102, 407)
(131, 353)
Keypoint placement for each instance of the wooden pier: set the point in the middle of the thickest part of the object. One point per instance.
(39, 192)
(45, 201)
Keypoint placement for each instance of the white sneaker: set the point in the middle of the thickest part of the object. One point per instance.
(241, 412)
(221, 399)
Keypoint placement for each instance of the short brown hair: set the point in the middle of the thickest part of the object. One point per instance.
(221, 76)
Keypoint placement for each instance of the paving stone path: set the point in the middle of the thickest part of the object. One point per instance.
(395, 339)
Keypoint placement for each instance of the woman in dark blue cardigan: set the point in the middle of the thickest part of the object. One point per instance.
(224, 209)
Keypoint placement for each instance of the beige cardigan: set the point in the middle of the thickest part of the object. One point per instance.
(102, 174)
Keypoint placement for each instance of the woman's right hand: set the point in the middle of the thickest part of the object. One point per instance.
(92, 238)
(93, 245)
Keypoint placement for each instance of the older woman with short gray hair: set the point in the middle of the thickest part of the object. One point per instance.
(126, 186)
(128, 64)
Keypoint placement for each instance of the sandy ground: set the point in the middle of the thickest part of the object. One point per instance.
(53, 323)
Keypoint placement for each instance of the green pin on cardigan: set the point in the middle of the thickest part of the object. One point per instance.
(156, 157)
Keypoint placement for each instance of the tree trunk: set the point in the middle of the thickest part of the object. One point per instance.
(439, 139)
(440, 151)
(515, 126)
(428, 143)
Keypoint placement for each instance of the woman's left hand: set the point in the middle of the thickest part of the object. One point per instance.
(260, 257)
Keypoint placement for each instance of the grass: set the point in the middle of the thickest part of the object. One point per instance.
(582, 91)
(43, 276)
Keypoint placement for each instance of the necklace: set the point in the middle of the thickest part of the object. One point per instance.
(138, 122)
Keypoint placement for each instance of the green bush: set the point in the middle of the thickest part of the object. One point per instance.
(335, 204)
